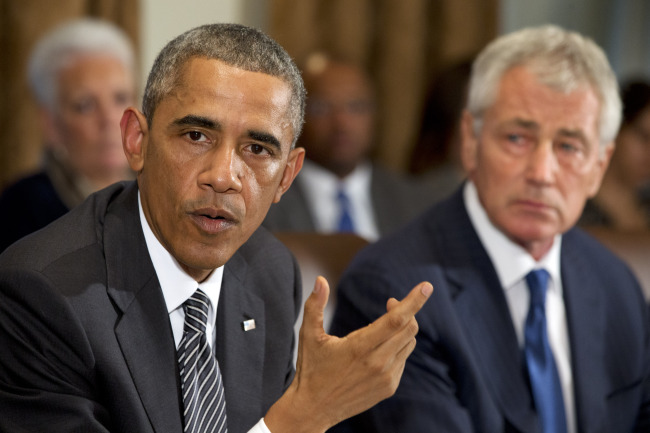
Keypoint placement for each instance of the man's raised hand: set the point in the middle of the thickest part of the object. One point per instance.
(337, 378)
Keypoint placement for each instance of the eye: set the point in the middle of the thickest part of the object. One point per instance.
(83, 106)
(358, 107)
(568, 147)
(258, 149)
(122, 99)
(196, 136)
(515, 138)
(319, 108)
(571, 147)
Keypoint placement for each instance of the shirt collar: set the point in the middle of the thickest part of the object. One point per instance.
(510, 260)
(320, 180)
(177, 286)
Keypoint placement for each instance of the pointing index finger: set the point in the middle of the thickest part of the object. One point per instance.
(399, 315)
(414, 301)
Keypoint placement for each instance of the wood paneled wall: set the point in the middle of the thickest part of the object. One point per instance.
(403, 43)
(22, 23)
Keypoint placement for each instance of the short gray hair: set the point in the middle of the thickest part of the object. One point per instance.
(236, 45)
(63, 45)
(561, 59)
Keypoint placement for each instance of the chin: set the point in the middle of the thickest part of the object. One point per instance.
(210, 260)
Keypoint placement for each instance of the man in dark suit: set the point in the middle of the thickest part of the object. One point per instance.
(571, 355)
(95, 307)
(340, 188)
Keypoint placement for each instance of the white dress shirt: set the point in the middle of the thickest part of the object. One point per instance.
(177, 287)
(512, 264)
(321, 187)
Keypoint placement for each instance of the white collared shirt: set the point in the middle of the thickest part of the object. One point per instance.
(512, 264)
(321, 187)
(177, 287)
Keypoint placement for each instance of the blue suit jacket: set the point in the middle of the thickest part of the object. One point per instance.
(467, 371)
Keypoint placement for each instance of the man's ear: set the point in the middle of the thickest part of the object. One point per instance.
(469, 143)
(294, 164)
(134, 135)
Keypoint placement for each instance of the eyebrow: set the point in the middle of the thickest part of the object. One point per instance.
(573, 134)
(193, 120)
(264, 138)
(527, 124)
(534, 126)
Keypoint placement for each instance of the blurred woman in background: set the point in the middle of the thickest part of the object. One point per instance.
(623, 201)
(82, 77)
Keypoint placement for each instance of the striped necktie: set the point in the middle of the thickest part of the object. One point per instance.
(544, 378)
(203, 395)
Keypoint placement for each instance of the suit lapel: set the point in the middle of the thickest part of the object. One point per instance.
(143, 332)
(585, 312)
(477, 294)
(242, 364)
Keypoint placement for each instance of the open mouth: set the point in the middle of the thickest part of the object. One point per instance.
(213, 221)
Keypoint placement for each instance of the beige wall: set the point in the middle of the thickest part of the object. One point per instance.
(162, 20)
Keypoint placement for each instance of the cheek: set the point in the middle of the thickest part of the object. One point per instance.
(262, 184)
(79, 131)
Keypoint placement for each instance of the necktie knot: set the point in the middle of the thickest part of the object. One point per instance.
(537, 281)
(196, 312)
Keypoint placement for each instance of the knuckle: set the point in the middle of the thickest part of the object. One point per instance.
(413, 327)
(411, 345)
(375, 368)
(395, 321)
(389, 384)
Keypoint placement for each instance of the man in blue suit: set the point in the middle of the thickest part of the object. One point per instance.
(542, 113)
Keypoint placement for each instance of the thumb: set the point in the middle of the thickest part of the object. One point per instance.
(312, 322)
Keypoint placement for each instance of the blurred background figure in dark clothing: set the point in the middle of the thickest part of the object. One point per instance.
(82, 77)
(340, 189)
(623, 201)
(435, 158)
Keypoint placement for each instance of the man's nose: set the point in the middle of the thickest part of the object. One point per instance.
(542, 163)
(224, 169)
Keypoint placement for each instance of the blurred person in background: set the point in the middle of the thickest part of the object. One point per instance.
(435, 158)
(339, 188)
(623, 201)
(82, 77)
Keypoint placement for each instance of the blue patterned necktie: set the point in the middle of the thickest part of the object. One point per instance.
(204, 404)
(345, 223)
(544, 378)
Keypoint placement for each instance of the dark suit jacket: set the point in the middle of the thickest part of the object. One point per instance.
(26, 206)
(395, 199)
(467, 371)
(86, 343)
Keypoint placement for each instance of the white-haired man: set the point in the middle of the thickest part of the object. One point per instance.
(536, 327)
